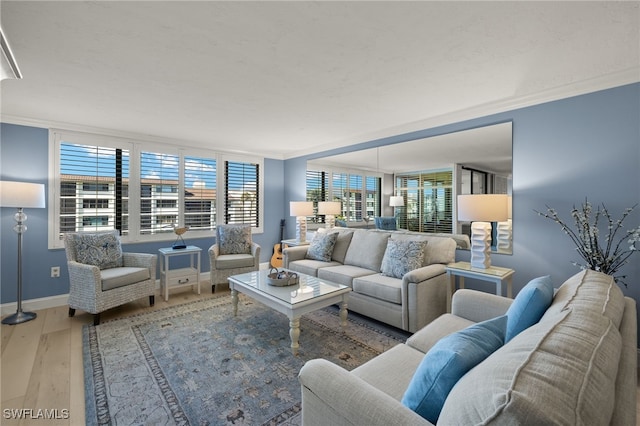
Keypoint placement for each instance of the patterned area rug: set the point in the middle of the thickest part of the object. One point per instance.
(197, 364)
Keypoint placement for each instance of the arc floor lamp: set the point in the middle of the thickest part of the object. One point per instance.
(21, 195)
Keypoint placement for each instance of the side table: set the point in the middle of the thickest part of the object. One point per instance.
(182, 277)
(494, 274)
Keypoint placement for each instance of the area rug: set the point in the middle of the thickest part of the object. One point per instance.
(197, 364)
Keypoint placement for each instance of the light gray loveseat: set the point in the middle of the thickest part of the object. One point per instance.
(408, 303)
(576, 366)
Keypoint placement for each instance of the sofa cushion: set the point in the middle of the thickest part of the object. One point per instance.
(392, 370)
(98, 249)
(342, 274)
(529, 305)
(447, 361)
(321, 247)
(430, 334)
(380, 287)
(591, 290)
(342, 245)
(234, 239)
(310, 267)
(401, 257)
(120, 277)
(367, 249)
(559, 371)
(438, 250)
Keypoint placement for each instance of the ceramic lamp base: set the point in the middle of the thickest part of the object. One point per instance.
(480, 245)
(301, 229)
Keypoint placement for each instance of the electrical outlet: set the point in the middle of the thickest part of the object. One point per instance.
(55, 272)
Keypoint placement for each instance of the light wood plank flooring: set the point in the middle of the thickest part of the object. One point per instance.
(41, 362)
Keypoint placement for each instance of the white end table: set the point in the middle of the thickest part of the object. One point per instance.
(182, 277)
(494, 274)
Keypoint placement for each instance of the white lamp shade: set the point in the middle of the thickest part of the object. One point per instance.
(329, 207)
(396, 201)
(301, 208)
(482, 208)
(22, 194)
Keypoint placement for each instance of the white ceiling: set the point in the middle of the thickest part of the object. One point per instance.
(288, 78)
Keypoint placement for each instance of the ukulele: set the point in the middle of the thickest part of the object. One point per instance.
(276, 259)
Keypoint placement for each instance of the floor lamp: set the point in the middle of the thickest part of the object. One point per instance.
(21, 195)
(480, 210)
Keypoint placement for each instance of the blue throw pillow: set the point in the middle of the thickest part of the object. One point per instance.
(447, 361)
(529, 306)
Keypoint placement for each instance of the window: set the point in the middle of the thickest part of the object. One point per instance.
(92, 178)
(358, 192)
(241, 193)
(429, 201)
(317, 190)
(102, 183)
(200, 183)
(159, 180)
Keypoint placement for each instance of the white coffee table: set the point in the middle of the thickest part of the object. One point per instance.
(309, 295)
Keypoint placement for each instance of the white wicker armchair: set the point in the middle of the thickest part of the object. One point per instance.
(102, 277)
(233, 253)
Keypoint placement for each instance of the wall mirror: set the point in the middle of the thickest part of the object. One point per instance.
(480, 160)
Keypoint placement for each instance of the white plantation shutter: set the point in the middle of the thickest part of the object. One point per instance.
(94, 188)
(200, 193)
(241, 202)
(159, 185)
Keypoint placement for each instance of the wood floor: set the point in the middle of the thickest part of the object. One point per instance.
(41, 362)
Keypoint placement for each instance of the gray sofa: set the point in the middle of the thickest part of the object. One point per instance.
(408, 303)
(576, 366)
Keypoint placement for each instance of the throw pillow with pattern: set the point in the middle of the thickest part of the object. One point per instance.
(401, 257)
(101, 250)
(234, 239)
(321, 247)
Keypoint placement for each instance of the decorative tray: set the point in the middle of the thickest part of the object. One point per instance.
(281, 278)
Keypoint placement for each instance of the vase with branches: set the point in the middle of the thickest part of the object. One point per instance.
(606, 252)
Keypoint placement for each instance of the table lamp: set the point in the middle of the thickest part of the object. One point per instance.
(301, 209)
(480, 209)
(329, 209)
(21, 195)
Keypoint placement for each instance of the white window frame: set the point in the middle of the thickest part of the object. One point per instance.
(135, 148)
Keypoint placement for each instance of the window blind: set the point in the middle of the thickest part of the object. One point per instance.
(159, 174)
(93, 188)
(200, 193)
(241, 202)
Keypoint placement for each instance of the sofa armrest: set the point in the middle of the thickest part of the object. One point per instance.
(478, 306)
(291, 254)
(255, 252)
(214, 252)
(141, 260)
(332, 395)
(424, 273)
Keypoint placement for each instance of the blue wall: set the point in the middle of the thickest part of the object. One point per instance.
(24, 157)
(563, 151)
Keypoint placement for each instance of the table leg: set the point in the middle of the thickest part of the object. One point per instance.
(234, 299)
(343, 314)
(450, 290)
(294, 333)
(510, 287)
